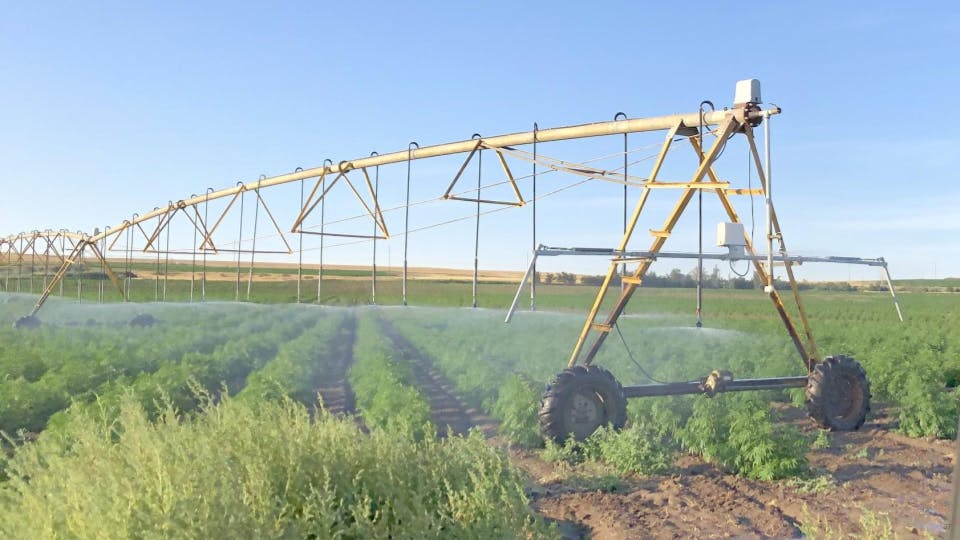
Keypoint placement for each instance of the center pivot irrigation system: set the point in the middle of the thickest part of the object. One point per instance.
(584, 396)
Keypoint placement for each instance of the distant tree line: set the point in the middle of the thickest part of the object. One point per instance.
(676, 278)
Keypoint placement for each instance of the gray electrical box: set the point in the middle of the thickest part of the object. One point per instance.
(748, 92)
(731, 234)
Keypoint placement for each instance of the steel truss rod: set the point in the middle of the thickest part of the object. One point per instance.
(597, 129)
(737, 121)
(678, 123)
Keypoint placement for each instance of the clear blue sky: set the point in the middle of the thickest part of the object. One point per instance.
(115, 108)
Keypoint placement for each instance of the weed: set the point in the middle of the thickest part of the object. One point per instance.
(821, 440)
(818, 484)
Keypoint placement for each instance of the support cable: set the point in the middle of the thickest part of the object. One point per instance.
(406, 220)
(630, 355)
(63, 254)
(103, 269)
(323, 209)
(253, 249)
(623, 267)
(476, 234)
(243, 195)
(376, 192)
(128, 255)
(166, 261)
(700, 222)
(206, 219)
(156, 273)
(193, 251)
(533, 274)
(300, 245)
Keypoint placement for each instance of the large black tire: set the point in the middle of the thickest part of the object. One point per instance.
(27, 322)
(143, 320)
(580, 400)
(838, 394)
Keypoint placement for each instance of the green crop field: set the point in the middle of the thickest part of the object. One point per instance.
(228, 419)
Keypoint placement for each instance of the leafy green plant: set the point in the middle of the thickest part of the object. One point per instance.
(262, 470)
(738, 433)
(385, 394)
(821, 440)
(516, 408)
(637, 449)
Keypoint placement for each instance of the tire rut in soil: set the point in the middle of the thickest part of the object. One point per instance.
(447, 410)
(333, 384)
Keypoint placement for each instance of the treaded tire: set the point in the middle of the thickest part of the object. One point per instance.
(27, 322)
(838, 394)
(580, 400)
(143, 320)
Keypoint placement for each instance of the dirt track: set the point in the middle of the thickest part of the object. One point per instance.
(335, 389)
(447, 411)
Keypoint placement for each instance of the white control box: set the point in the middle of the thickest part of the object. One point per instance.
(731, 235)
(748, 91)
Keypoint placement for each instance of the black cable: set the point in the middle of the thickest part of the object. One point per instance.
(632, 359)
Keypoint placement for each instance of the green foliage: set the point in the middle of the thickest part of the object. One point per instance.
(257, 471)
(927, 408)
(385, 394)
(568, 452)
(818, 484)
(637, 449)
(876, 525)
(821, 440)
(738, 433)
(516, 407)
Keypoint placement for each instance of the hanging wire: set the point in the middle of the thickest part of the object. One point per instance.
(630, 355)
(700, 219)
(63, 254)
(193, 252)
(533, 275)
(623, 267)
(476, 235)
(468, 216)
(166, 258)
(243, 196)
(376, 190)
(127, 278)
(156, 288)
(323, 204)
(208, 243)
(46, 258)
(406, 219)
(253, 249)
(300, 239)
(103, 270)
(33, 259)
(752, 220)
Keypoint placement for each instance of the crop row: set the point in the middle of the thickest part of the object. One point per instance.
(181, 383)
(79, 362)
(383, 384)
(501, 369)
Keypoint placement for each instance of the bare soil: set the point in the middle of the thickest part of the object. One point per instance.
(334, 387)
(874, 471)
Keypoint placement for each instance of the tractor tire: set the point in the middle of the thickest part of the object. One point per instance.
(580, 400)
(838, 394)
(26, 322)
